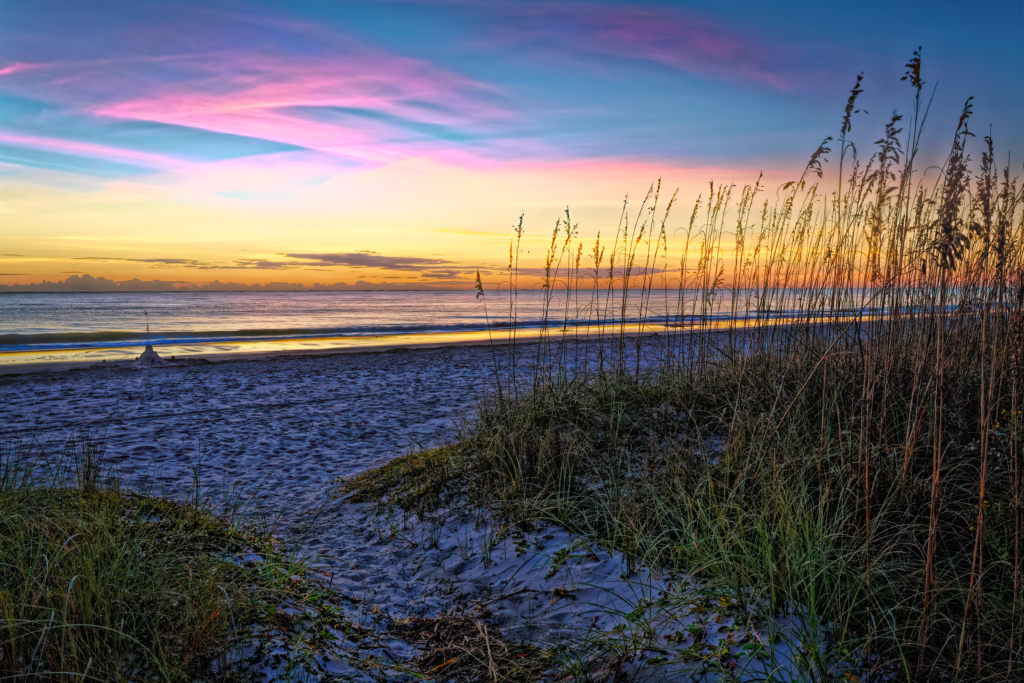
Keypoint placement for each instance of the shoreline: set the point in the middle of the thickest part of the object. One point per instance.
(17, 362)
(219, 357)
(36, 361)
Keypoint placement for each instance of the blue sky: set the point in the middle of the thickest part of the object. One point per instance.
(286, 127)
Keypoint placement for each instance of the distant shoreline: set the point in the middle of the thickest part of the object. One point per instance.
(379, 345)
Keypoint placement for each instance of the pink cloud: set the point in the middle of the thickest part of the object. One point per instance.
(271, 97)
(17, 67)
(240, 80)
(88, 149)
(308, 85)
(337, 95)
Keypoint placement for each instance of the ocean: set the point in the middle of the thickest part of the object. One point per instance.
(110, 326)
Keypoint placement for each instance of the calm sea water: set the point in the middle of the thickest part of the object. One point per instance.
(92, 321)
(51, 321)
(111, 325)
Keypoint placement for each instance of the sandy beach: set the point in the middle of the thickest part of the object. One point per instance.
(286, 425)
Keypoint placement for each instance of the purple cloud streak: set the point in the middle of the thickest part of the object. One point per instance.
(679, 39)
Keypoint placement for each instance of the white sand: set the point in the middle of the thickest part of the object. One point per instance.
(286, 427)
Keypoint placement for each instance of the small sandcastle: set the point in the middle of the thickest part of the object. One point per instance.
(150, 359)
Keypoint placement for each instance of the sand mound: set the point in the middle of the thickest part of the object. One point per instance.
(150, 359)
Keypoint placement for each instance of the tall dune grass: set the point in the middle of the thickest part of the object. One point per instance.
(831, 418)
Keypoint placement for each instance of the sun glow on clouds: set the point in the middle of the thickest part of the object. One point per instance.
(315, 86)
(344, 105)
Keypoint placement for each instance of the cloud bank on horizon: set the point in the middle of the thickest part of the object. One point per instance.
(88, 283)
(303, 135)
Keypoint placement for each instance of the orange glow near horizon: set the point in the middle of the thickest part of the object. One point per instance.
(453, 218)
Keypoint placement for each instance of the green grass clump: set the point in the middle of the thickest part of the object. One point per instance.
(99, 583)
(417, 483)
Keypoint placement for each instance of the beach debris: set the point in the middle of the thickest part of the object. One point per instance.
(150, 359)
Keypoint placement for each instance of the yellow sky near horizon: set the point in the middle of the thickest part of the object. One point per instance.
(455, 219)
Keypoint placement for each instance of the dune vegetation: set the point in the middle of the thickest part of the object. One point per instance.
(828, 422)
(101, 582)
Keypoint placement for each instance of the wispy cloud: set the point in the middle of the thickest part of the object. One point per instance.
(169, 262)
(425, 267)
(370, 260)
(89, 283)
(88, 149)
(680, 39)
(257, 264)
(285, 82)
(17, 67)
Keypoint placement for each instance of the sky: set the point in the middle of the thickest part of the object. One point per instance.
(391, 143)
